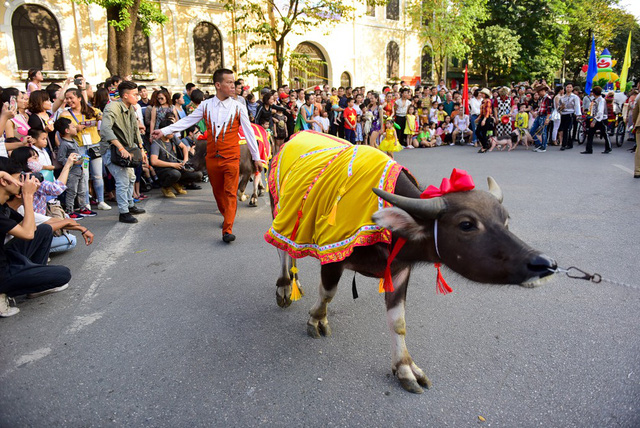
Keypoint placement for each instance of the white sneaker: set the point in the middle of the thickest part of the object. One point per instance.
(5, 309)
(104, 206)
(49, 291)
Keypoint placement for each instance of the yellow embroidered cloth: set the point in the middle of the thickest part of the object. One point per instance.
(321, 187)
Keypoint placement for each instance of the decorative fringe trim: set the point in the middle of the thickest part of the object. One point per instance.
(331, 219)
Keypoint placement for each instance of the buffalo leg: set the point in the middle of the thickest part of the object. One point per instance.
(242, 185)
(253, 202)
(283, 284)
(318, 325)
(411, 377)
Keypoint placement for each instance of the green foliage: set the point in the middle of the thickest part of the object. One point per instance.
(495, 49)
(447, 26)
(542, 26)
(148, 12)
(278, 19)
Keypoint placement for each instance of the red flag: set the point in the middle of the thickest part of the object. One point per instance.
(465, 91)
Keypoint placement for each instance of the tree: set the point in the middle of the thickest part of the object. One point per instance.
(495, 50)
(122, 17)
(447, 26)
(268, 23)
(542, 25)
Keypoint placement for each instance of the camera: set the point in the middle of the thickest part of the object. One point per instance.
(77, 81)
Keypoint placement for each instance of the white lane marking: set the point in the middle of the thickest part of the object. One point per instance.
(82, 321)
(114, 245)
(624, 168)
(33, 357)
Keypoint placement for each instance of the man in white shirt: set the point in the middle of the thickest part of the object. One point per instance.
(224, 117)
(570, 109)
(598, 122)
(474, 111)
(461, 122)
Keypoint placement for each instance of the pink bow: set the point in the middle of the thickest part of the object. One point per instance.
(460, 181)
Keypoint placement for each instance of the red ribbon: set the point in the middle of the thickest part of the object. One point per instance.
(459, 181)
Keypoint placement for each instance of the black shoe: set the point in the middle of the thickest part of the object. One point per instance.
(192, 187)
(135, 210)
(127, 218)
(606, 151)
(636, 175)
(228, 237)
(562, 149)
(586, 153)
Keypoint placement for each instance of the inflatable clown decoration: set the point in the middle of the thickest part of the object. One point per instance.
(605, 70)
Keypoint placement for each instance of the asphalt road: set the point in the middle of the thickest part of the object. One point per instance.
(164, 325)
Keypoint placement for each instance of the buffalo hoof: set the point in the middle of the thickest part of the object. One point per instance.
(243, 197)
(253, 202)
(323, 327)
(260, 191)
(411, 386)
(283, 301)
(313, 331)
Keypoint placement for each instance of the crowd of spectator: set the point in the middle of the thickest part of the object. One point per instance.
(67, 150)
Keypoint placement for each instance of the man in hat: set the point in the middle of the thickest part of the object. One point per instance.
(541, 114)
(598, 122)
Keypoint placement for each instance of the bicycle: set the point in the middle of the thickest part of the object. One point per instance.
(619, 130)
(581, 132)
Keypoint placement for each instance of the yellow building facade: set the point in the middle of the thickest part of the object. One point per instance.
(68, 38)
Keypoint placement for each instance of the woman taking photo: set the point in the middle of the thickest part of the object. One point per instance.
(87, 118)
(18, 126)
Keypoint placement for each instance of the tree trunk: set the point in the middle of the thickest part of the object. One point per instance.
(485, 75)
(120, 42)
(279, 62)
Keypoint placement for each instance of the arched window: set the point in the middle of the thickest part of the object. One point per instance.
(371, 9)
(426, 65)
(140, 52)
(36, 36)
(310, 67)
(393, 60)
(345, 80)
(393, 9)
(207, 46)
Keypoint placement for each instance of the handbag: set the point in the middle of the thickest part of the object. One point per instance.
(555, 115)
(94, 152)
(135, 160)
(54, 210)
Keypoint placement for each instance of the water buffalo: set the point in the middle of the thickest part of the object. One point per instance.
(466, 231)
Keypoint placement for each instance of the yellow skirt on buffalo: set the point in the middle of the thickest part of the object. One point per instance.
(321, 187)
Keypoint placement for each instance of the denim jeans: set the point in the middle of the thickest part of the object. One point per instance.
(536, 131)
(75, 187)
(125, 179)
(95, 170)
(472, 125)
(60, 244)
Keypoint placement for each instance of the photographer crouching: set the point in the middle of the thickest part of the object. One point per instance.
(172, 168)
(24, 248)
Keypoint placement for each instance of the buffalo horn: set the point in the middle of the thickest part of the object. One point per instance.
(423, 208)
(494, 189)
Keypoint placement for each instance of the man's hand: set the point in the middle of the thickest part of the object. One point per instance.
(258, 165)
(124, 153)
(145, 160)
(177, 165)
(593, 123)
(157, 134)
(29, 185)
(88, 237)
(9, 179)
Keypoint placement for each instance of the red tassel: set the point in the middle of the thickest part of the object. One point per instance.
(388, 281)
(295, 228)
(442, 286)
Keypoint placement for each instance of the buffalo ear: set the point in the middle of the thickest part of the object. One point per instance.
(399, 222)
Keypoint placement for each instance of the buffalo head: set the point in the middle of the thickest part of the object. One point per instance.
(467, 231)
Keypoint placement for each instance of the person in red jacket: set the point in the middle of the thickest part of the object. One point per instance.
(224, 116)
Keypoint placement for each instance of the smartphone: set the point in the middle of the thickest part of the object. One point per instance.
(13, 103)
(77, 81)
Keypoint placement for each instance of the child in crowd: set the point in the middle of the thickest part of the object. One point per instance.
(350, 121)
(324, 120)
(439, 133)
(456, 111)
(425, 139)
(360, 128)
(75, 182)
(316, 126)
(447, 128)
(433, 113)
(522, 119)
(441, 114)
(390, 142)
(39, 140)
(335, 106)
(280, 126)
(411, 128)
